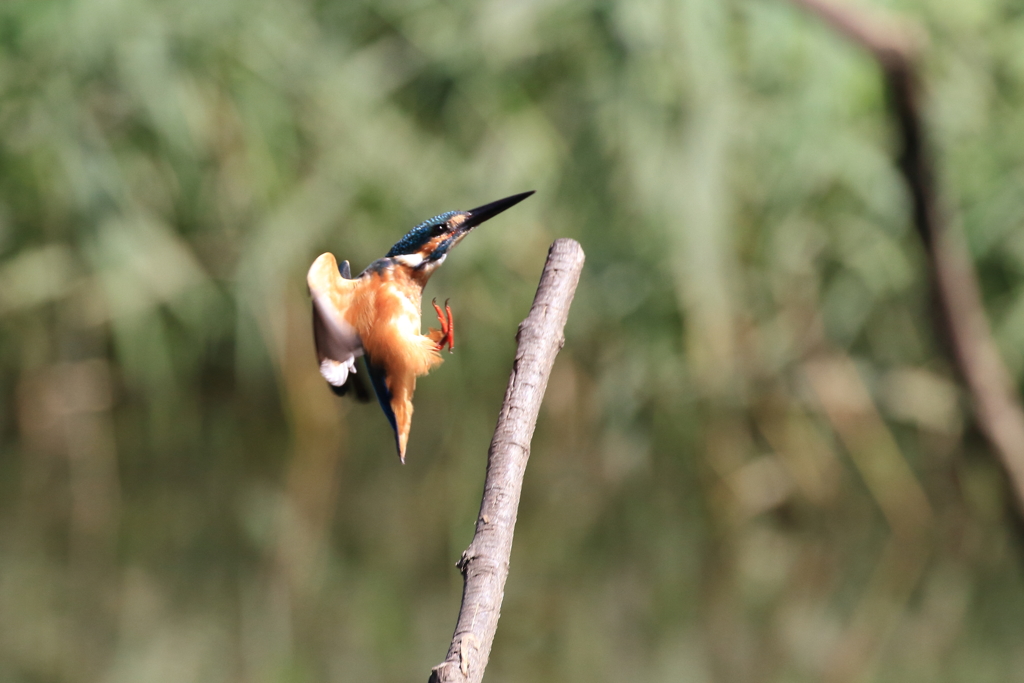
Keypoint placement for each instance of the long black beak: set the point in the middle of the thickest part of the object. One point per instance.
(488, 211)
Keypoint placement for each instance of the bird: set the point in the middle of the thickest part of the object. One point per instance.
(376, 315)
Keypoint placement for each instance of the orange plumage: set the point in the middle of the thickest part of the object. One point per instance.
(384, 311)
(377, 314)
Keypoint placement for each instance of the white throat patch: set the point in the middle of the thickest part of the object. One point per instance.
(410, 260)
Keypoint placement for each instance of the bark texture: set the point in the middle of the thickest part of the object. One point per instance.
(961, 318)
(484, 564)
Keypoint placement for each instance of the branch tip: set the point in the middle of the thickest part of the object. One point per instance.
(538, 339)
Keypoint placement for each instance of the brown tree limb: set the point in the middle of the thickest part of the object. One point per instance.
(484, 563)
(961, 318)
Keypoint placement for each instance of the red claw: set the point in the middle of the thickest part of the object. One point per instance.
(451, 327)
(447, 326)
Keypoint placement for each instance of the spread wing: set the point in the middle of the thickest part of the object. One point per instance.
(337, 342)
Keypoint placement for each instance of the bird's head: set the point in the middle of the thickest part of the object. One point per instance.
(426, 246)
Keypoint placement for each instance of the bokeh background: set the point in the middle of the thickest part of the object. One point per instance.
(753, 463)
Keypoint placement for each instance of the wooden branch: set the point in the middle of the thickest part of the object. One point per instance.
(961, 320)
(888, 41)
(484, 563)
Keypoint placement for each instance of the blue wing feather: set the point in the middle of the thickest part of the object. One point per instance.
(380, 388)
(346, 270)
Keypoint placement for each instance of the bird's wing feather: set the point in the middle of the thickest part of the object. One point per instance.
(337, 342)
(378, 379)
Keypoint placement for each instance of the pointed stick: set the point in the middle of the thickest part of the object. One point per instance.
(484, 563)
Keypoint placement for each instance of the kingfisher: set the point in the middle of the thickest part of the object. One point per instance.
(376, 315)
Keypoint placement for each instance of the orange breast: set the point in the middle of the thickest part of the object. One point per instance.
(386, 313)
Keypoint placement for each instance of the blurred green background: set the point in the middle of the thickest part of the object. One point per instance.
(753, 462)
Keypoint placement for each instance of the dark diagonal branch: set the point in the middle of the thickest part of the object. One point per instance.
(484, 564)
(954, 282)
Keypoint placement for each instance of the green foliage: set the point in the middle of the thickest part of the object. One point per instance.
(753, 462)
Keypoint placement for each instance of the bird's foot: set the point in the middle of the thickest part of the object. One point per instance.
(446, 335)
